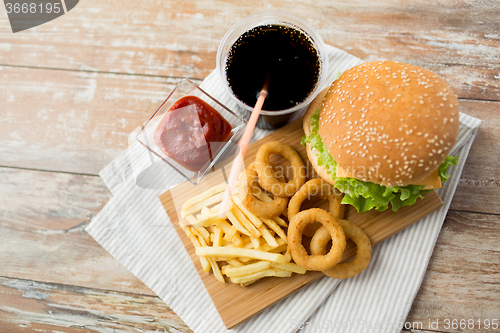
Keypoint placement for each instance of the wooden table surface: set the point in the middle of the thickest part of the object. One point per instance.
(73, 89)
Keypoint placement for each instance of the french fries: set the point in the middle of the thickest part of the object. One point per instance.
(242, 246)
(246, 269)
(238, 252)
(203, 196)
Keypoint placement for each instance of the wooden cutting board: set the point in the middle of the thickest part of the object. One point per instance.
(236, 304)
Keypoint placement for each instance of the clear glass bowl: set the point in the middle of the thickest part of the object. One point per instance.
(273, 119)
(218, 149)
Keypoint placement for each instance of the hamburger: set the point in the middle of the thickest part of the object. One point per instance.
(381, 134)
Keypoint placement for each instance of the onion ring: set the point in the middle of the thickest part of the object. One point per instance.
(267, 177)
(363, 254)
(323, 190)
(256, 206)
(297, 250)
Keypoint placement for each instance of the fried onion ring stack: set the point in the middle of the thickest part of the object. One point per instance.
(251, 192)
(267, 194)
(315, 262)
(267, 178)
(299, 220)
(262, 180)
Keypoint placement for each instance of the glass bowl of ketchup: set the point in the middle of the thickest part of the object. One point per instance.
(191, 131)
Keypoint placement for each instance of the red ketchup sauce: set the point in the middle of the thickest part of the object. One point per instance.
(188, 129)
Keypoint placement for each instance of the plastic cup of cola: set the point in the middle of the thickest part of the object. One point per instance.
(282, 48)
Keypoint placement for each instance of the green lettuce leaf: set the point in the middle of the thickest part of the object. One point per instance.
(443, 168)
(365, 196)
(324, 158)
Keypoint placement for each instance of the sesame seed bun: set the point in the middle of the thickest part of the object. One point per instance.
(388, 123)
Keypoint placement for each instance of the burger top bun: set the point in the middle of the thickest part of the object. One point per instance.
(389, 123)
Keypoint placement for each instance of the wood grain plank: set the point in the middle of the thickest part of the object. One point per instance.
(456, 39)
(479, 186)
(27, 306)
(448, 39)
(468, 279)
(31, 221)
(72, 121)
(42, 220)
(462, 280)
(167, 38)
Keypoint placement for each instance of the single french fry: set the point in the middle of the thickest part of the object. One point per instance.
(262, 196)
(236, 223)
(255, 242)
(220, 258)
(247, 269)
(245, 284)
(213, 262)
(235, 252)
(183, 225)
(226, 226)
(217, 240)
(267, 236)
(209, 215)
(251, 216)
(289, 266)
(203, 242)
(245, 239)
(206, 212)
(194, 222)
(235, 263)
(205, 235)
(215, 209)
(288, 255)
(245, 221)
(250, 245)
(280, 249)
(230, 233)
(245, 260)
(254, 276)
(275, 227)
(208, 220)
(282, 273)
(282, 246)
(205, 203)
(223, 268)
(203, 196)
(280, 221)
(236, 240)
(210, 230)
(205, 264)
(215, 268)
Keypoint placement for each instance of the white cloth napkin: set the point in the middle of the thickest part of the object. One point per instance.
(135, 229)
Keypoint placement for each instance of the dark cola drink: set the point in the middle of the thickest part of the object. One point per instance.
(283, 54)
